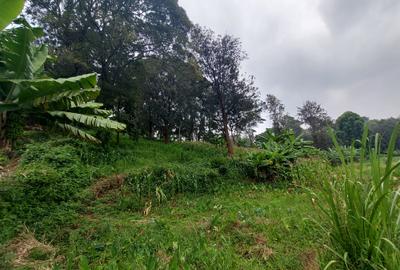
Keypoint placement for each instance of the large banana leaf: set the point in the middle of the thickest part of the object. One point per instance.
(42, 92)
(21, 59)
(9, 10)
(68, 101)
(78, 132)
(91, 108)
(89, 120)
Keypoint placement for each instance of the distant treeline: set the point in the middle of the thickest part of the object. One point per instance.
(313, 123)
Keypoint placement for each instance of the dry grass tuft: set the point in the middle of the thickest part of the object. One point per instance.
(28, 252)
(9, 169)
(260, 252)
(164, 257)
(309, 260)
(105, 185)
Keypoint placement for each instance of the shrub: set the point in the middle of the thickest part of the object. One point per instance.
(14, 127)
(334, 156)
(277, 156)
(3, 158)
(46, 184)
(362, 211)
(51, 175)
(221, 164)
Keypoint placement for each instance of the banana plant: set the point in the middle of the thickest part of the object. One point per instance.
(24, 88)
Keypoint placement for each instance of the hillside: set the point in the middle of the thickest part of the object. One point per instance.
(147, 205)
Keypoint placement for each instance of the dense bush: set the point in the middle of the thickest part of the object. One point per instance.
(222, 164)
(277, 156)
(50, 176)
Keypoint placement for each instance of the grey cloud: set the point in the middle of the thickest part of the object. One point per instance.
(342, 53)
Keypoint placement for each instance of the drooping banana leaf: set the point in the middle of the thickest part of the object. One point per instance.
(78, 132)
(67, 101)
(91, 108)
(56, 88)
(89, 120)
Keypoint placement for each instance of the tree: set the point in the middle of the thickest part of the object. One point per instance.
(313, 115)
(276, 112)
(291, 123)
(244, 107)
(219, 58)
(349, 127)
(384, 128)
(110, 37)
(24, 91)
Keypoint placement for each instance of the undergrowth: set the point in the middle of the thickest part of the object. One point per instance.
(148, 205)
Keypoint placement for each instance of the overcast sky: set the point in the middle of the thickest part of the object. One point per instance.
(344, 54)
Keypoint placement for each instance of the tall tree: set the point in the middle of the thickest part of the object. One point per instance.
(349, 127)
(291, 123)
(244, 107)
(219, 58)
(276, 112)
(170, 96)
(313, 115)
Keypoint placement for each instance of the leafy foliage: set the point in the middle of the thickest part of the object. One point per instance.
(236, 100)
(160, 184)
(63, 101)
(9, 11)
(49, 179)
(349, 128)
(276, 111)
(277, 156)
(313, 115)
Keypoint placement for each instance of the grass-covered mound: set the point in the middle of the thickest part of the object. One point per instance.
(147, 205)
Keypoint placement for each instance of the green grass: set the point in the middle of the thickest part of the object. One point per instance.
(230, 223)
(244, 227)
(362, 210)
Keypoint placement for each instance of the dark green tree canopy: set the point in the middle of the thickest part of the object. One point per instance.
(316, 118)
(349, 127)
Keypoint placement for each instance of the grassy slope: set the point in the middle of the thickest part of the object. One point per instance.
(240, 226)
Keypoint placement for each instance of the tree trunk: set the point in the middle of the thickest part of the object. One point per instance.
(165, 135)
(227, 137)
(179, 133)
(4, 143)
(150, 131)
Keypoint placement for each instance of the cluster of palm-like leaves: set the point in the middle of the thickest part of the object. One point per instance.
(362, 208)
(278, 154)
(23, 86)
